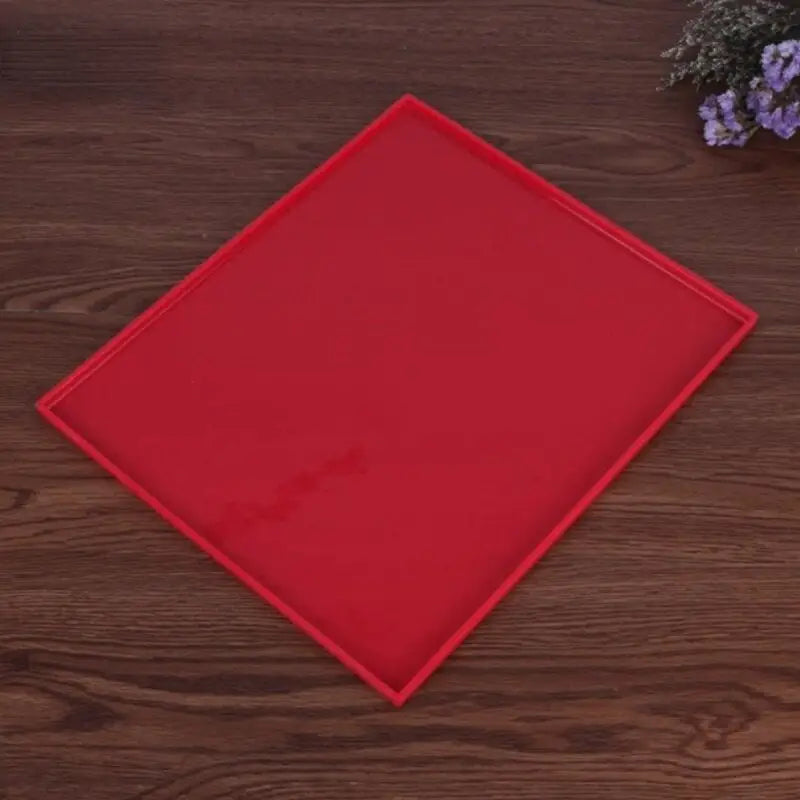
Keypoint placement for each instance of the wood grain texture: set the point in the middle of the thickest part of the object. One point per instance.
(655, 653)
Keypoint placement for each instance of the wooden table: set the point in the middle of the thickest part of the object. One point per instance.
(655, 653)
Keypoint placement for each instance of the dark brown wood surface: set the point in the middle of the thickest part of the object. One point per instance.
(655, 653)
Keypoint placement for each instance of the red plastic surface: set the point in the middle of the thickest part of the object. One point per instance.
(384, 400)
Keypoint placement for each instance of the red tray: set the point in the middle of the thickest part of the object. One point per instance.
(383, 401)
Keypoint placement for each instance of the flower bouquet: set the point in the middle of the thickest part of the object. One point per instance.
(747, 54)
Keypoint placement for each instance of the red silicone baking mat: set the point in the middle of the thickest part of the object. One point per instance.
(384, 400)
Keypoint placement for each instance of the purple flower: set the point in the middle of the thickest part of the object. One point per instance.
(708, 110)
(760, 98)
(774, 111)
(781, 64)
(726, 122)
(772, 102)
(784, 120)
(761, 102)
